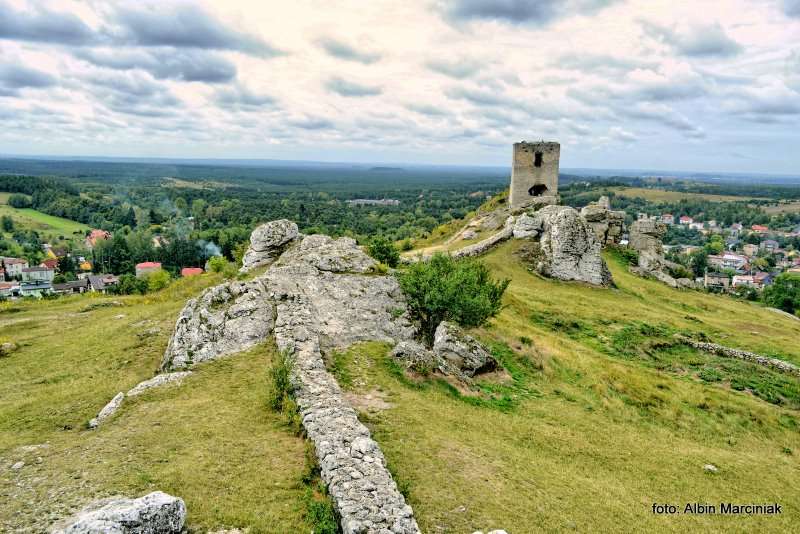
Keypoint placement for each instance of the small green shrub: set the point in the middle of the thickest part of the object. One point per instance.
(280, 382)
(217, 264)
(158, 280)
(448, 289)
(406, 245)
(384, 251)
(320, 514)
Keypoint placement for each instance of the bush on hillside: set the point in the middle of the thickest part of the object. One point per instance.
(158, 280)
(784, 293)
(19, 201)
(217, 264)
(448, 289)
(384, 251)
(129, 285)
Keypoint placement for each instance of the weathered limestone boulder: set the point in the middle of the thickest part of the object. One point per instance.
(568, 248)
(461, 351)
(324, 253)
(415, 356)
(108, 410)
(227, 318)
(267, 242)
(158, 381)
(526, 227)
(606, 224)
(7, 348)
(645, 236)
(155, 513)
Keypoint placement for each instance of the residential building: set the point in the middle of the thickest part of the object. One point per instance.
(191, 271)
(147, 267)
(697, 226)
(668, 218)
(374, 202)
(759, 229)
(735, 230)
(74, 286)
(716, 281)
(35, 288)
(727, 260)
(9, 289)
(14, 266)
(770, 245)
(761, 280)
(95, 236)
(101, 282)
(743, 280)
(750, 249)
(685, 219)
(38, 274)
(50, 263)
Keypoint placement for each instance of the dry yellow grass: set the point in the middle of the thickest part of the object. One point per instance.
(660, 195)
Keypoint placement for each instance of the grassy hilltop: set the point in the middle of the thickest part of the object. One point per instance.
(596, 416)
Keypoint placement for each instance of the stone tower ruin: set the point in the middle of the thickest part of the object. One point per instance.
(534, 174)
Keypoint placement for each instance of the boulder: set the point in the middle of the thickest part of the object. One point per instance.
(415, 356)
(461, 351)
(108, 410)
(568, 248)
(224, 319)
(267, 242)
(607, 225)
(158, 381)
(525, 227)
(7, 348)
(155, 513)
(645, 235)
(324, 253)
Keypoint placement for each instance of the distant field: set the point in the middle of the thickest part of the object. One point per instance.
(659, 195)
(787, 207)
(47, 225)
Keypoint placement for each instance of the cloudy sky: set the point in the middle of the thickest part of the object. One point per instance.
(673, 84)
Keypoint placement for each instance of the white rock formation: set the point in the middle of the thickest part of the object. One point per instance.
(158, 381)
(108, 410)
(568, 247)
(267, 242)
(155, 513)
(606, 224)
(461, 351)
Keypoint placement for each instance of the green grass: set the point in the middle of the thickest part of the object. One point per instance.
(601, 421)
(212, 441)
(49, 227)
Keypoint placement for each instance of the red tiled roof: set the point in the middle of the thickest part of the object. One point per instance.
(14, 261)
(191, 271)
(148, 265)
(759, 228)
(51, 263)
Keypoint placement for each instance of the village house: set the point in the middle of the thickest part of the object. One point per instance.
(95, 236)
(743, 280)
(146, 268)
(9, 289)
(50, 263)
(735, 230)
(727, 260)
(74, 286)
(697, 226)
(750, 249)
(685, 219)
(716, 281)
(99, 283)
(759, 229)
(668, 219)
(769, 245)
(38, 274)
(761, 279)
(14, 266)
(191, 271)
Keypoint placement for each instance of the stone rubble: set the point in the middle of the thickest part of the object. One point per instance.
(267, 242)
(461, 351)
(727, 352)
(155, 513)
(108, 410)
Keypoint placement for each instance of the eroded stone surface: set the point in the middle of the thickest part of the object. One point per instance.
(461, 351)
(606, 224)
(569, 248)
(155, 513)
(158, 381)
(267, 242)
(225, 319)
(108, 410)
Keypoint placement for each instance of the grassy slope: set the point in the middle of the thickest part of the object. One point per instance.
(591, 439)
(49, 227)
(212, 441)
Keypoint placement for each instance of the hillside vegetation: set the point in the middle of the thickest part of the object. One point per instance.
(596, 415)
(47, 226)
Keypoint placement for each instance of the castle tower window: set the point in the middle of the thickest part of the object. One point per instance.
(537, 162)
(537, 190)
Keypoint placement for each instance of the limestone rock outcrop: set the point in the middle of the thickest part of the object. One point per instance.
(267, 242)
(155, 513)
(607, 224)
(320, 293)
(108, 410)
(526, 227)
(645, 237)
(567, 247)
(158, 381)
(461, 351)
(227, 318)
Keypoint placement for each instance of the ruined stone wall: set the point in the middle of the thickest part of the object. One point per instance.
(534, 174)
